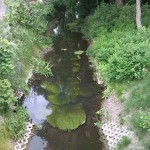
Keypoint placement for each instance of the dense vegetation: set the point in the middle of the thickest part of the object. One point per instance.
(117, 46)
(120, 51)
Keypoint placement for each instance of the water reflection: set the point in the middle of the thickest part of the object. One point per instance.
(72, 97)
(37, 143)
(37, 106)
(56, 30)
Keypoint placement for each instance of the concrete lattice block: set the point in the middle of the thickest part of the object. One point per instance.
(21, 144)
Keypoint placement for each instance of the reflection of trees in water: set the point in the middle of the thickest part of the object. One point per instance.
(69, 86)
(83, 138)
(67, 117)
(64, 93)
(66, 90)
(67, 114)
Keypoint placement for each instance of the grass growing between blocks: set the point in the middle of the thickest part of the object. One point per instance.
(4, 139)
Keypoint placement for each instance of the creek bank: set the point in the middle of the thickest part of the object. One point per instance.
(43, 52)
(111, 128)
(21, 144)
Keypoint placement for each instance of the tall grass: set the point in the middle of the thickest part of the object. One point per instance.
(123, 143)
(140, 95)
(4, 139)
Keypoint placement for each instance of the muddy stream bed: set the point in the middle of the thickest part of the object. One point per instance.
(67, 100)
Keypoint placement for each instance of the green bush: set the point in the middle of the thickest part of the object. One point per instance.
(121, 19)
(43, 68)
(7, 98)
(39, 15)
(5, 30)
(146, 15)
(126, 19)
(22, 37)
(100, 20)
(122, 55)
(144, 120)
(106, 45)
(131, 62)
(120, 51)
(7, 54)
(16, 123)
(19, 12)
(30, 15)
(141, 122)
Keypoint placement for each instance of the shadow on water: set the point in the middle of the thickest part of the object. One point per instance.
(66, 101)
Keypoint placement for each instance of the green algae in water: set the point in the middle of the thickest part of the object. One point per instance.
(80, 52)
(76, 66)
(50, 87)
(75, 69)
(67, 117)
(71, 92)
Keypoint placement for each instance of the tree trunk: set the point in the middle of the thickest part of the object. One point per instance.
(98, 2)
(138, 14)
(119, 3)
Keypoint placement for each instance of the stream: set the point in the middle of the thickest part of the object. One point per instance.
(63, 106)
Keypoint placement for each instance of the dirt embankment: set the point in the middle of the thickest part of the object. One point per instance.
(114, 123)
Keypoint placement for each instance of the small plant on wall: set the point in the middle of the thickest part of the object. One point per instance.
(98, 116)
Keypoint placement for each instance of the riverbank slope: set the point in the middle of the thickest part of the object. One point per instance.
(122, 61)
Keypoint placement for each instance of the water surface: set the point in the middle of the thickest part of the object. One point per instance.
(70, 97)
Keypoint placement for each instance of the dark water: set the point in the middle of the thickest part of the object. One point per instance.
(65, 98)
